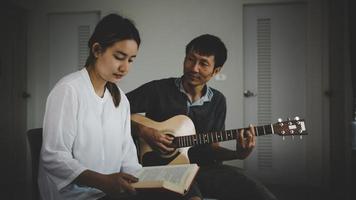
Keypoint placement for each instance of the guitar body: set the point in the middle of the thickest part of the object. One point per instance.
(179, 125)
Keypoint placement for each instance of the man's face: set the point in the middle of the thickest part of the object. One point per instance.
(199, 69)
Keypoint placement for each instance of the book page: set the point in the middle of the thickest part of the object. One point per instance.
(174, 173)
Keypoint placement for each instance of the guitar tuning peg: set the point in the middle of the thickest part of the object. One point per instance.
(296, 118)
(283, 137)
(280, 120)
(301, 137)
(288, 118)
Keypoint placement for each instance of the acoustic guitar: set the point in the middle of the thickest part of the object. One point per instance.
(182, 129)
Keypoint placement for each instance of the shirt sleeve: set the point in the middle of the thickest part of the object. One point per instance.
(59, 132)
(220, 116)
(140, 98)
(130, 162)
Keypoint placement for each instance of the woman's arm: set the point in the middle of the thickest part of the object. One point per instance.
(59, 132)
(112, 184)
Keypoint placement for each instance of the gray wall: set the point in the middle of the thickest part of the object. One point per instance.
(166, 27)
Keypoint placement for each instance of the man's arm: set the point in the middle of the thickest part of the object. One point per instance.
(140, 100)
(152, 136)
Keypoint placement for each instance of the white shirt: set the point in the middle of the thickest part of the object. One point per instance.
(83, 131)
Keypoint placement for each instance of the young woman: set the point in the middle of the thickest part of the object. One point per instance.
(87, 149)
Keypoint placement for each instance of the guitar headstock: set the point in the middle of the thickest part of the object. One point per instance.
(290, 127)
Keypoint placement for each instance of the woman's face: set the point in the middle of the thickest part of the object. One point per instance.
(115, 62)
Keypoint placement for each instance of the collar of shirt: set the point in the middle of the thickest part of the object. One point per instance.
(208, 95)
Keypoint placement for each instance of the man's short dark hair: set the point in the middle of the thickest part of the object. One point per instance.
(208, 45)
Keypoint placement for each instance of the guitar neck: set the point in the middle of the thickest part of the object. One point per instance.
(218, 136)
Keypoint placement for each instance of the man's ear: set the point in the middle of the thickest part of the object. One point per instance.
(96, 49)
(217, 70)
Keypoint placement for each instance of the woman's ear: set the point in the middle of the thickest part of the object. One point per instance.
(96, 49)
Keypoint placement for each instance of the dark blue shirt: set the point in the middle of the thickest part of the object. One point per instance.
(165, 98)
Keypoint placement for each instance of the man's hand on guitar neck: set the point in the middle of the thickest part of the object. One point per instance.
(153, 137)
(245, 142)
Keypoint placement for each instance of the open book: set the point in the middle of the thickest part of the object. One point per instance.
(174, 178)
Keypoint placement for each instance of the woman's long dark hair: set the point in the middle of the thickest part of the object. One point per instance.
(111, 29)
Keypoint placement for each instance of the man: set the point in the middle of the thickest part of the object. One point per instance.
(190, 95)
